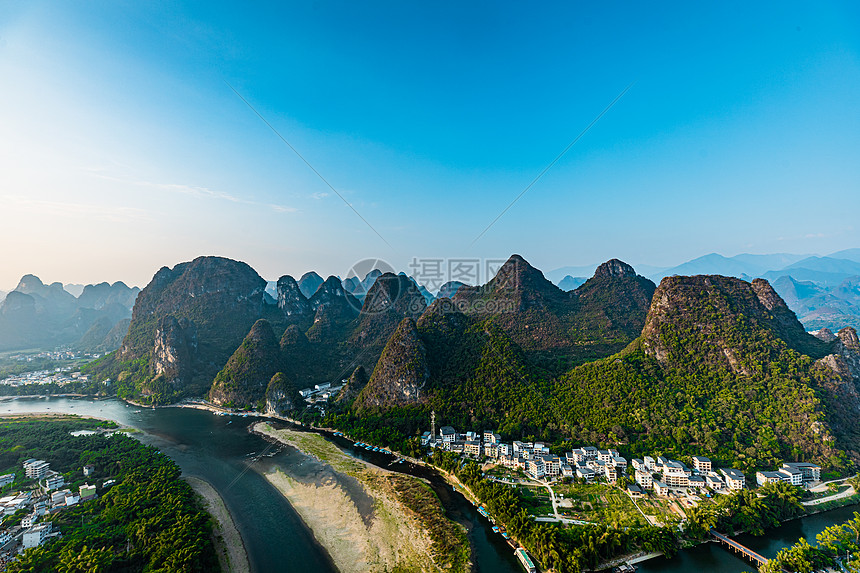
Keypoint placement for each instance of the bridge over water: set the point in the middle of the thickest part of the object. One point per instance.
(742, 549)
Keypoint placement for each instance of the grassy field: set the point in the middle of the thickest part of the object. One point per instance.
(536, 499)
(602, 503)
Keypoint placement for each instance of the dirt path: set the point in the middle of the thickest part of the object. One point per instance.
(847, 493)
(228, 542)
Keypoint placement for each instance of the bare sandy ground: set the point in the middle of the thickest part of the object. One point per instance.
(228, 542)
(392, 537)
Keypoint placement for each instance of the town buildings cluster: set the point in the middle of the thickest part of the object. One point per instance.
(43, 377)
(49, 497)
(590, 464)
(59, 354)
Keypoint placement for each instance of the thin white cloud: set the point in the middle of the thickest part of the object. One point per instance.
(198, 192)
(83, 210)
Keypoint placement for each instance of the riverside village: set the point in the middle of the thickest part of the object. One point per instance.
(31, 493)
(588, 485)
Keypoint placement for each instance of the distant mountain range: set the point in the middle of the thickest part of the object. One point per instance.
(822, 291)
(37, 316)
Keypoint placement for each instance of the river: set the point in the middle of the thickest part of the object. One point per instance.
(714, 558)
(220, 450)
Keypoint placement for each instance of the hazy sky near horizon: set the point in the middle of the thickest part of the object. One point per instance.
(124, 148)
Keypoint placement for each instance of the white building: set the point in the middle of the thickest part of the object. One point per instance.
(696, 482)
(607, 455)
(676, 479)
(714, 481)
(87, 490)
(29, 520)
(54, 481)
(701, 464)
(586, 473)
(6, 479)
(552, 465)
(791, 475)
(810, 472)
(535, 468)
(36, 469)
(735, 479)
(645, 479)
(472, 448)
(59, 497)
(491, 450)
(768, 477)
(35, 536)
(610, 472)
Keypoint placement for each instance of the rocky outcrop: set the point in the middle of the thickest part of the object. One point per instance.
(400, 373)
(333, 309)
(281, 395)
(391, 299)
(49, 298)
(443, 318)
(294, 337)
(222, 298)
(845, 359)
(614, 268)
(291, 301)
(174, 352)
(825, 335)
(725, 311)
(449, 289)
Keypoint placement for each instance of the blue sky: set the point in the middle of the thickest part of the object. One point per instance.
(123, 149)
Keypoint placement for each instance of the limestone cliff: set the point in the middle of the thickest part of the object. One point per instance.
(281, 395)
(220, 299)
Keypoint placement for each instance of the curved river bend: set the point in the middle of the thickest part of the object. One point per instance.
(220, 450)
